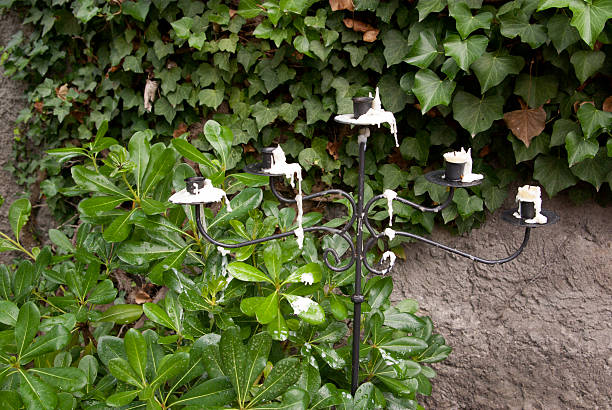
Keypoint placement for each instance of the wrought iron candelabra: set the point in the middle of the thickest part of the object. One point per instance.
(358, 248)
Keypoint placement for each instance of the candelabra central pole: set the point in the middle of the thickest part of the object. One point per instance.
(357, 297)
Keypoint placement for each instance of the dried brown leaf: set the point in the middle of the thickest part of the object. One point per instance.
(607, 104)
(141, 297)
(333, 148)
(526, 124)
(341, 5)
(357, 25)
(371, 35)
(182, 128)
(150, 94)
(62, 91)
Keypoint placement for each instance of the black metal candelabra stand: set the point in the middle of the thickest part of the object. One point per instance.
(357, 250)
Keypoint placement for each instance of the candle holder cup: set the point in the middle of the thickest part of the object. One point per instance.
(193, 184)
(361, 105)
(454, 171)
(527, 209)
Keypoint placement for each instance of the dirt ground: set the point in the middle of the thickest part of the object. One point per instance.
(535, 333)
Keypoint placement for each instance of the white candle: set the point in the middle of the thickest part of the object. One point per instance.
(463, 157)
(531, 193)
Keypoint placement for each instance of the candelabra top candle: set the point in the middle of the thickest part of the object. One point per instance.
(376, 115)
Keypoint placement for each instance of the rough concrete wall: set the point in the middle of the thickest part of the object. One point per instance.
(12, 100)
(534, 333)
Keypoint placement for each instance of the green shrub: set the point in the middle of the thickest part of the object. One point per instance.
(64, 315)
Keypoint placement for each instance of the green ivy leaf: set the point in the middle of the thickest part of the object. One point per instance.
(590, 17)
(579, 148)
(248, 9)
(561, 32)
(553, 173)
(392, 96)
(467, 204)
(536, 91)
(182, 27)
(592, 120)
(477, 115)
(491, 68)
(431, 91)
(424, 50)
(516, 23)
(561, 128)
(467, 23)
(593, 170)
(465, 52)
(587, 63)
(425, 7)
(396, 47)
(137, 9)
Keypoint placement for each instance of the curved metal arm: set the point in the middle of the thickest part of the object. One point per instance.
(204, 233)
(370, 243)
(316, 195)
(421, 208)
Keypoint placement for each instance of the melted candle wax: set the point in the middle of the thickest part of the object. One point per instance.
(207, 194)
(390, 195)
(390, 256)
(463, 157)
(377, 115)
(290, 171)
(530, 193)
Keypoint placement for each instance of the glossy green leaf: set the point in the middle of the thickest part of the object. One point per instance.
(220, 138)
(424, 50)
(536, 91)
(120, 228)
(258, 350)
(170, 367)
(137, 9)
(122, 314)
(308, 274)
(26, 326)
(18, 215)
(283, 375)
(268, 309)
(233, 359)
(38, 394)
(208, 394)
(136, 349)
(52, 341)
(96, 182)
(121, 398)
(158, 315)
(122, 370)
(248, 273)
(63, 378)
(272, 260)
(364, 397)
(8, 312)
(307, 309)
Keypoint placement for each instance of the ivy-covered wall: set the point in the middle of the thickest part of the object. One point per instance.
(525, 83)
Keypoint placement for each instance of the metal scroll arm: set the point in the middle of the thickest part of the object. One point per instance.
(421, 208)
(346, 195)
(343, 234)
(370, 243)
